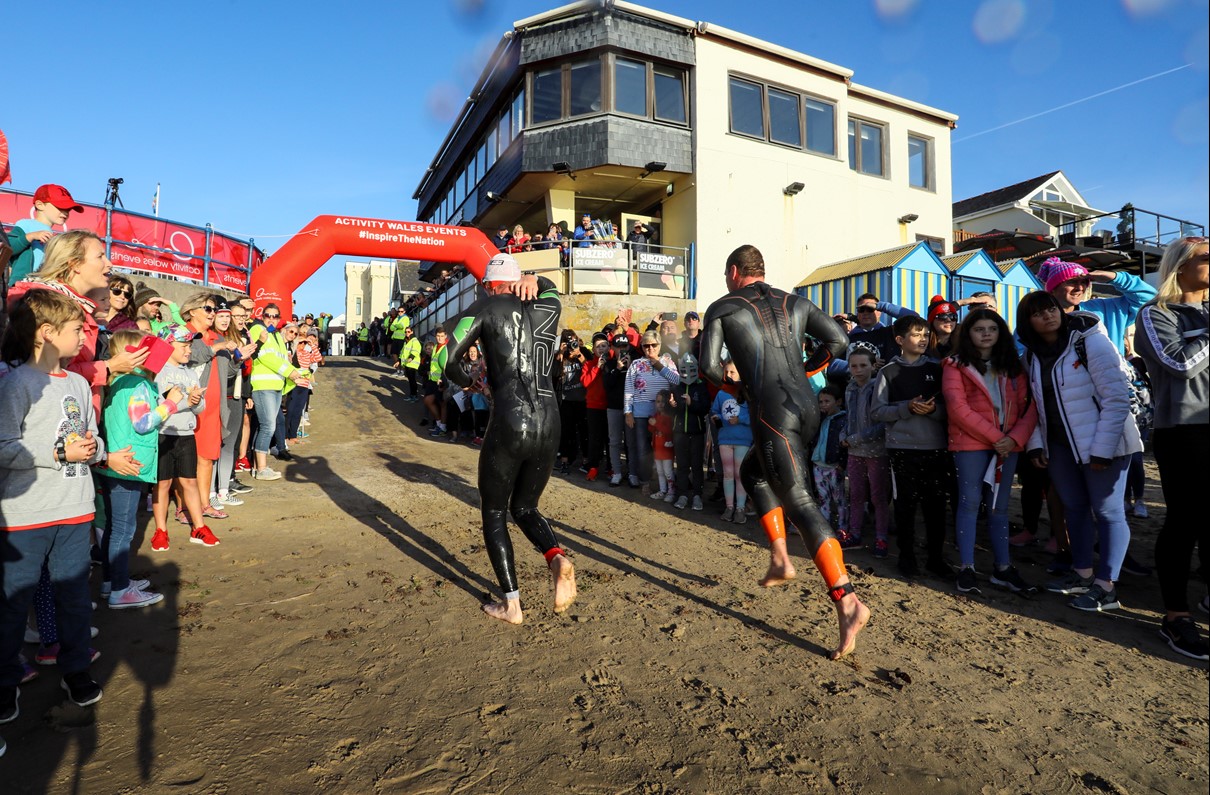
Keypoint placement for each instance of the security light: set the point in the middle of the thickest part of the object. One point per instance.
(907, 219)
(793, 189)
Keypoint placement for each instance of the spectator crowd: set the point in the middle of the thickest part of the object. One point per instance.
(116, 401)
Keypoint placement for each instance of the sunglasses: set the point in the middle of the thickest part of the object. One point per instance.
(947, 317)
(127, 293)
(272, 317)
(650, 345)
(861, 310)
(209, 310)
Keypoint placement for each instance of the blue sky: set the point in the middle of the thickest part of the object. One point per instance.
(258, 116)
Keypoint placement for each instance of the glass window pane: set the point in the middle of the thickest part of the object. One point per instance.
(548, 95)
(821, 127)
(481, 163)
(585, 88)
(491, 148)
(783, 118)
(503, 133)
(871, 149)
(853, 145)
(518, 115)
(918, 165)
(670, 95)
(455, 194)
(630, 87)
(746, 114)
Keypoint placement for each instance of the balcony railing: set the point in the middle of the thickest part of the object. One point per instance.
(1130, 229)
(618, 268)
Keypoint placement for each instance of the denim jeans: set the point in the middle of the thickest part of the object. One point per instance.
(972, 465)
(617, 439)
(1087, 495)
(296, 404)
(267, 403)
(122, 498)
(65, 549)
(638, 449)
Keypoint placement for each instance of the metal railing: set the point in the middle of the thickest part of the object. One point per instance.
(1130, 228)
(617, 268)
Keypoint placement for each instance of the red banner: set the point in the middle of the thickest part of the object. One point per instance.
(149, 244)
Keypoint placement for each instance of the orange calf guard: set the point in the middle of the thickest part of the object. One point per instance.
(830, 562)
(774, 523)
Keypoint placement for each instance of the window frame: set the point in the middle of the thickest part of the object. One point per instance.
(802, 97)
(883, 129)
(930, 170)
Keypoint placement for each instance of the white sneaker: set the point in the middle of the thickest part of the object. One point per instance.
(681, 502)
(658, 495)
(227, 498)
(670, 497)
(1140, 509)
(616, 480)
(133, 597)
(107, 588)
(266, 474)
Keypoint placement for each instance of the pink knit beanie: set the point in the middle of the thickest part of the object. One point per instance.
(1055, 271)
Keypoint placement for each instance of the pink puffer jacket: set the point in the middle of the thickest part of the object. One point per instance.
(973, 424)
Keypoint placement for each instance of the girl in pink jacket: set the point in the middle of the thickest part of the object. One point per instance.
(991, 416)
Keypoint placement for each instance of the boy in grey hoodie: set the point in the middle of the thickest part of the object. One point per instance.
(48, 438)
(907, 397)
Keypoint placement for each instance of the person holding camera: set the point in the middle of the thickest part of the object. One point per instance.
(573, 411)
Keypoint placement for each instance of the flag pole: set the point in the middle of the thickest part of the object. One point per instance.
(155, 201)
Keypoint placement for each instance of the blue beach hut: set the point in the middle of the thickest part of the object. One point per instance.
(908, 275)
(1008, 280)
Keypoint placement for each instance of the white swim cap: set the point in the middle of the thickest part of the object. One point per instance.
(502, 268)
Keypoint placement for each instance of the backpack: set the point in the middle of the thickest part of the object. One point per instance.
(1141, 407)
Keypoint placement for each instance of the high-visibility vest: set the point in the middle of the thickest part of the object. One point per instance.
(399, 326)
(272, 366)
(409, 357)
(437, 364)
(363, 334)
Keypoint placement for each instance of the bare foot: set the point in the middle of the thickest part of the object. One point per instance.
(778, 574)
(852, 615)
(564, 575)
(509, 610)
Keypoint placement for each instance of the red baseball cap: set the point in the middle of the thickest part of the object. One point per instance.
(58, 196)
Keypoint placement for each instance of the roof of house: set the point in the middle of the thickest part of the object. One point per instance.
(954, 262)
(858, 265)
(999, 197)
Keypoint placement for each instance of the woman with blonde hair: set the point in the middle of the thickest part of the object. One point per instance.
(1172, 335)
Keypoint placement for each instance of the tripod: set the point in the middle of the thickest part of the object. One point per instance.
(111, 193)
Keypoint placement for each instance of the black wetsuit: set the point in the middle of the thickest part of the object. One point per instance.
(519, 341)
(765, 329)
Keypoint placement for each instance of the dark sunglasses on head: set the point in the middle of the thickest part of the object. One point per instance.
(861, 310)
(128, 293)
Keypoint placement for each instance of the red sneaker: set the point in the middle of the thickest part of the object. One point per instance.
(592, 474)
(203, 536)
(243, 465)
(159, 541)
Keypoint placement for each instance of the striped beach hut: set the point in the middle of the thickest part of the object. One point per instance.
(907, 275)
(1008, 280)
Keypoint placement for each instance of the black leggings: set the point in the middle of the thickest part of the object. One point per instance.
(774, 472)
(574, 421)
(1180, 453)
(598, 437)
(410, 372)
(690, 447)
(513, 471)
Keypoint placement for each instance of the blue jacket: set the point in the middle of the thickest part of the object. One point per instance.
(1118, 313)
(825, 448)
(740, 434)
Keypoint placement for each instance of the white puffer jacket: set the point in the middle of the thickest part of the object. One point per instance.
(1094, 401)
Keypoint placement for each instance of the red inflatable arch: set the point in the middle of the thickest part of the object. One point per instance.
(329, 235)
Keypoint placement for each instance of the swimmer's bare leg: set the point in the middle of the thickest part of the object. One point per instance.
(851, 614)
(507, 609)
(781, 570)
(564, 576)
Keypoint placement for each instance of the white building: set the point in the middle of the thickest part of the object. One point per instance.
(1047, 205)
(368, 287)
(712, 137)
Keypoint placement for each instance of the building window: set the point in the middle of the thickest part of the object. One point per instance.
(670, 95)
(518, 115)
(548, 95)
(630, 87)
(937, 244)
(357, 306)
(865, 147)
(747, 115)
(821, 127)
(920, 162)
(585, 88)
(784, 126)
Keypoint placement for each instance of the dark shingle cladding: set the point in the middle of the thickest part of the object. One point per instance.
(605, 140)
(999, 197)
(607, 28)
